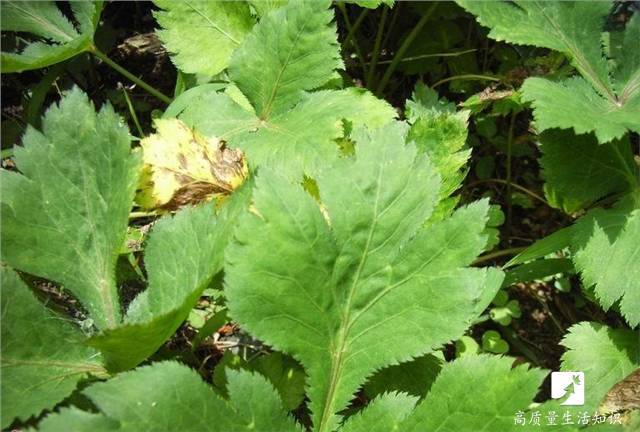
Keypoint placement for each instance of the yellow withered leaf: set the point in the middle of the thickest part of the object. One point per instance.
(183, 167)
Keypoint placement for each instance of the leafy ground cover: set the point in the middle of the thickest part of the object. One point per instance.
(302, 215)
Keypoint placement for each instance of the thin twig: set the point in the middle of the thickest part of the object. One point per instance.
(523, 189)
(497, 254)
(150, 89)
(133, 112)
(351, 32)
(376, 48)
(512, 123)
(468, 77)
(404, 47)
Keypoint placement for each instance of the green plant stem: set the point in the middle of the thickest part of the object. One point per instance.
(523, 189)
(141, 214)
(425, 56)
(512, 123)
(376, 48)
(351, 31)
(356, 26)
(151, 90)
(404, 47)
(498, 254)
(132, 112)
(468, 77)
(512, 338)
(392, 24)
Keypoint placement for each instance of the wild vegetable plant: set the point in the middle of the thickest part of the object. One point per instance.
(334, 227)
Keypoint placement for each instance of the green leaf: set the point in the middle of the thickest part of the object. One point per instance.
(372, 4)
(383, 414)
(573, 103)
(293, 48)
(425, 102)
(60, 39)
(168, 396)
(578, 171)
(182, 256)
(605, 355)
(611, 266)
(536, 270)
(283, 372)
(79, 421)
(64, 217)
(299, 140)
(361, 262)
(190, 96)
(42, 358)
(572, 28)
(459, 399)
(441, 133)
(493, 342)
(414, 377)
(202, 35)
(606, 98)
(560, 239)
(263, 7)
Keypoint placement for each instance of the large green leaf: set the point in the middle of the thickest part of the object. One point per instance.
(268, 113)
(606, 98)
(171, 397)
(60, 39)
(202, 34)
(605, 355)
(359, 257)
(578, 171)
(476, 393)
(610, 264)
(42, 356)
(293, 48)
(64, 216)
(299, 140)
(573, 103)
(182, 256)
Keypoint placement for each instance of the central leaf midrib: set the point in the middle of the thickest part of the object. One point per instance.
(266, 110)
(338, 356)
(213, 24)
